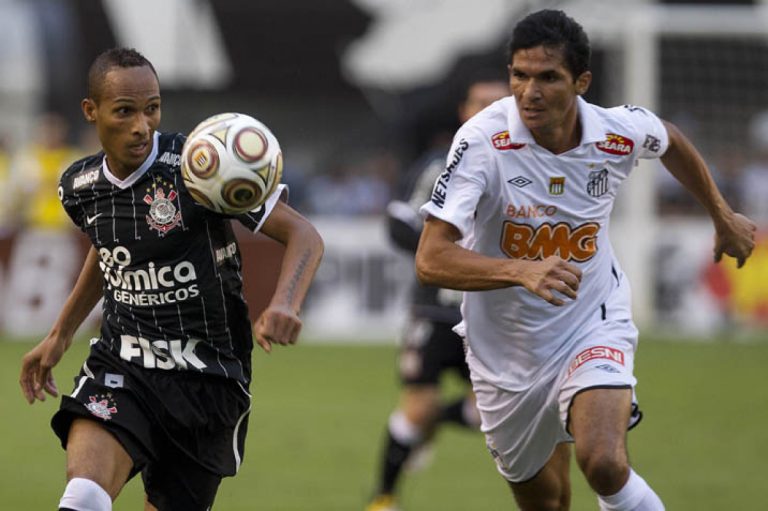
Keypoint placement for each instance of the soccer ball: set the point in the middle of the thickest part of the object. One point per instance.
(231, 163)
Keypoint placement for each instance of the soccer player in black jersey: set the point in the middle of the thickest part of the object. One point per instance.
(164, 391)
(429, 348)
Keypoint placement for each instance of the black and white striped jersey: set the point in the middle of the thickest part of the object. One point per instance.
(172, 282)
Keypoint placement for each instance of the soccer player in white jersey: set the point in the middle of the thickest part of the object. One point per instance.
(519, 221)
(163, 391)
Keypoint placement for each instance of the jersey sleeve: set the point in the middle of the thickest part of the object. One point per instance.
(652, 136)
(458, 189)
(254, 219)
(69, 200)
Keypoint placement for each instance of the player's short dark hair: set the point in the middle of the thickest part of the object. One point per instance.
(115, 57)
(553, 29)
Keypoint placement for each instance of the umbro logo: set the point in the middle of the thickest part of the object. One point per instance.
(520, 181)
(91, 219)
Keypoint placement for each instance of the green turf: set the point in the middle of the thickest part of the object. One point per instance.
(319, 413)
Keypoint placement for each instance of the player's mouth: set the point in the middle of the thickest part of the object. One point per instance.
(533, 112)
(139, 149)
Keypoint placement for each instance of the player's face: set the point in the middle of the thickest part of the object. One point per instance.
(480, 95)
(545, 89)
(126, 116)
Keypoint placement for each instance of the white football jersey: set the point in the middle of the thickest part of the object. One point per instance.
(510, 197)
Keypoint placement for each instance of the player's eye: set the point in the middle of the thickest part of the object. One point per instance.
(550, 77)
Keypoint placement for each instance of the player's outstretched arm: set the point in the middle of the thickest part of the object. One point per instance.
(280, 322)
(36, 367)
(734, 233)
(441, 262)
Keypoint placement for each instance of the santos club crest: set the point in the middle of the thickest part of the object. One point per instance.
(163, 215)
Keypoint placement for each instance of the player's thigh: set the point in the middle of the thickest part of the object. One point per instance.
(598, 422)
(550, 489)
(94, 453)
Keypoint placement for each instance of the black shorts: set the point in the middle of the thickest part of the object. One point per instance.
(428, 349)
(184, 431)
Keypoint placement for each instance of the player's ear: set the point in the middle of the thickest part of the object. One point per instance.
(89, 109)
(583, 82)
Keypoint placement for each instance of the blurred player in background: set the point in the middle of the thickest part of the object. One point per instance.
(36, 172)
(164, 391)
(519, 220)
(429, 347)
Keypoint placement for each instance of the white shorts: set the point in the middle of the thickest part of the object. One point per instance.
(522, 429)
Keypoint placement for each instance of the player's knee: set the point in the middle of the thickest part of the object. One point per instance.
(421, 409)
(606, 472)
(85, 495)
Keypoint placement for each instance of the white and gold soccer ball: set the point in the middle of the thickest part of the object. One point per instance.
(231, 163)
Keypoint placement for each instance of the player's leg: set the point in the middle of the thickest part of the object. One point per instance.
(598, 422)
(550, 489)
(97, 467)
(408, 427)
(412, 423)
(525, 436)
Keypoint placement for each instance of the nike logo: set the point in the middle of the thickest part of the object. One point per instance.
(91, 219)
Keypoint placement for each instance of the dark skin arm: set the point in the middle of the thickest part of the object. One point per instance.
(734, 233)
(280, 323)
(36, 367)
(441, 262)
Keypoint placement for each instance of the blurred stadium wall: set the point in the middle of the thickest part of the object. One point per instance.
(355, 90)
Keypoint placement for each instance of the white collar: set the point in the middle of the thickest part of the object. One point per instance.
(136, 174)
(592, 128)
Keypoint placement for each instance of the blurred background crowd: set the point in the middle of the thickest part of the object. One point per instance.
(356, 90)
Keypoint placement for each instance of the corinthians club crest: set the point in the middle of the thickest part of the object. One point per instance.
(163, 215)
(102, 406)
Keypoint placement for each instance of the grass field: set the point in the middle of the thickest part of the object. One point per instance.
(319, 412)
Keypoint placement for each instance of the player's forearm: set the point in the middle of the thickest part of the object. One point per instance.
(686, 164)
(83, 298)
(445, 264)
(303, 251)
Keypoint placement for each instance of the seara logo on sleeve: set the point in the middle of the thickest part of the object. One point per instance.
(616, 144)
(439, 192)
(502, 142)
(146, 286)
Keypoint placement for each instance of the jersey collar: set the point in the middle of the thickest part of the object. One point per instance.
(591, 125)
(136, 174)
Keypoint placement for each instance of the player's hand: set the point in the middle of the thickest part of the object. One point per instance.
(542, 278)
(36, 369)
(276, 325)
(735, 237)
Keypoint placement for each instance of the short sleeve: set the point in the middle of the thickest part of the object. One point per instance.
(652, 137)
(69, 202)
(457, 190)
(255, 219)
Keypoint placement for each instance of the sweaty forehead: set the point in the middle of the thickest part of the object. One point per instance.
(129, 83)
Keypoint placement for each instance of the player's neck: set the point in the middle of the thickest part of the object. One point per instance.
(121, 172)
(562, 137)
